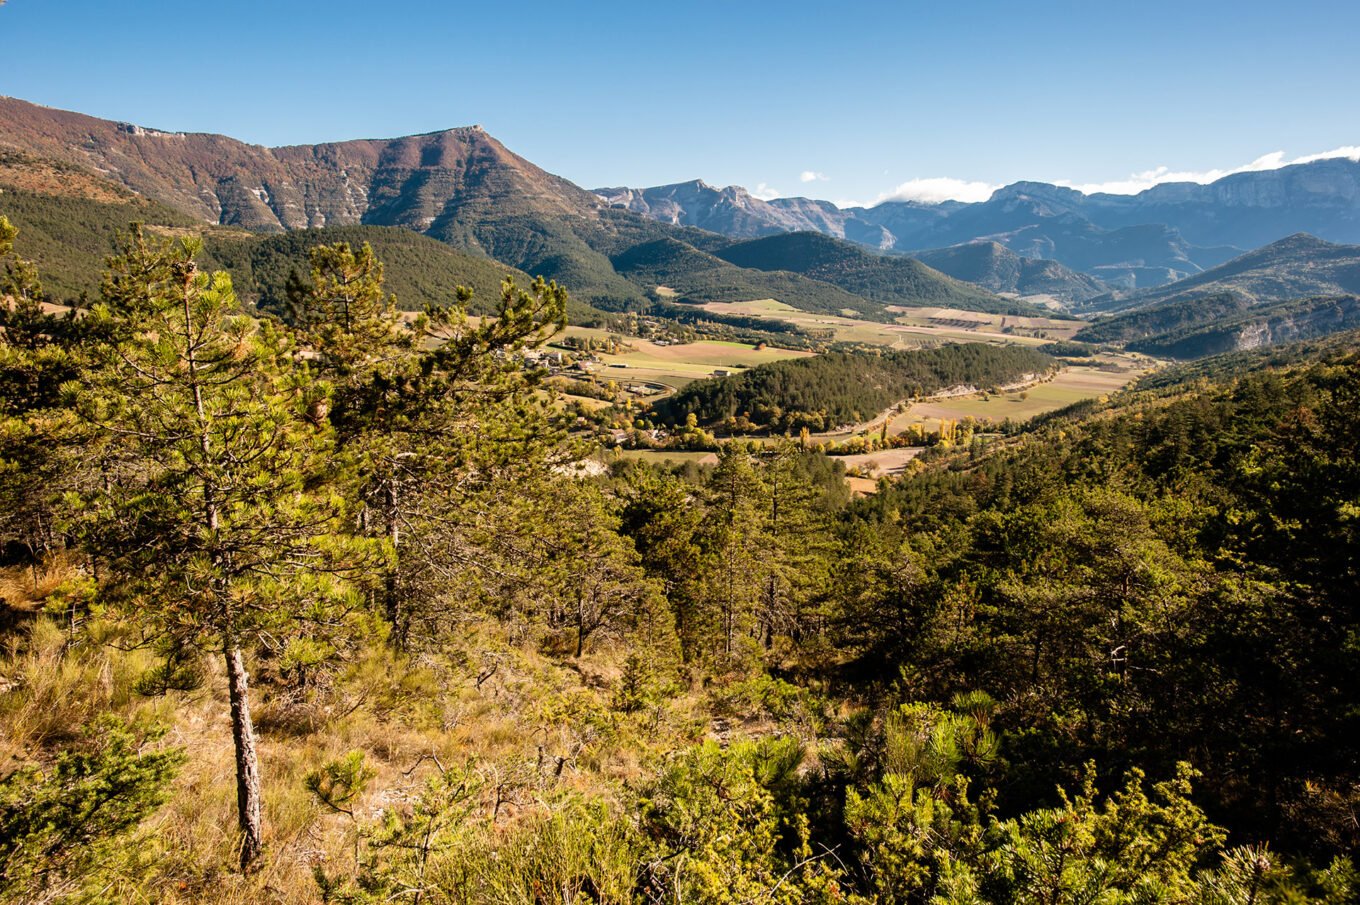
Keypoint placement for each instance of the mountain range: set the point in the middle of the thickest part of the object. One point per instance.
(1298, 287)
(1129, 242)
(1157, 269)
(459, 186)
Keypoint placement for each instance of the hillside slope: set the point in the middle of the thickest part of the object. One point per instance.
(410, 181)
(997, 268)
(1295, 266)
(890, 280)
(68, 218)
(828, 391)
(69, 227)
(1268, 325)
(1294, 288)
(697, 276)
(419, 270)
(458, 185)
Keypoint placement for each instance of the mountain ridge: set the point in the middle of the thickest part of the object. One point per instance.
(995, 267)
(459, 185)
(288, 191)
(1101, 234)
(1289, 287)
(890, 280)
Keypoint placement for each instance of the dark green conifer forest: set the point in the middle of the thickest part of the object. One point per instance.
(320, 602)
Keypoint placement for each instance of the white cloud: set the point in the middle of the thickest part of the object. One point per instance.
(811, 176)
(1350, 152)
(766, 193)
(945, 188)
(1138, 182)
(939, 188)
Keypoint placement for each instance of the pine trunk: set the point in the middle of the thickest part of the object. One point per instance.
(247, 761)
(395, 616)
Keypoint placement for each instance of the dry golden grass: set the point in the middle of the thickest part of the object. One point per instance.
(1071, 384)
(536, 727)
(43, 178)
(915, 327)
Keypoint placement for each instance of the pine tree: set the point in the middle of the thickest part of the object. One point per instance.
(58, 826)
(344, 315)
(213, 520)
(437, 423)
(664, 520)
(736, 558)
(38, 460)
(798, 538)
(590, 575)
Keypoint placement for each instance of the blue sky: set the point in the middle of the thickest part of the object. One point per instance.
(849, 101)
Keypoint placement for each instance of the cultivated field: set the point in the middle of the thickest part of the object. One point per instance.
(661, 456)
(883, 462)
(1071, 384)
(674, 366)
(915, 327)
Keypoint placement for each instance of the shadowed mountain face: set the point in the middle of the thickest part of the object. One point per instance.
(888, 279)
(1294, 267)
(995, 267)
(697, 276)
(1295, 288)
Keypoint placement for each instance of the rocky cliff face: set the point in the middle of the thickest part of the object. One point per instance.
(735, 212)
(732, 211)
(1304, 319)
(1248, 209)
(1329, 183)
(412, 181)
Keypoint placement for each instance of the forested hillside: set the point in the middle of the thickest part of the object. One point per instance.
(841, 388)
(890, 280)
(340, 609)
(1294, 267)
(697, 276)
(68, 228)
(1261, 326)
(995, 267)
(1292, 289)
(419, 270)
(68, 235)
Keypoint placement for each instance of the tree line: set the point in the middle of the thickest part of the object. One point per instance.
(839, 388)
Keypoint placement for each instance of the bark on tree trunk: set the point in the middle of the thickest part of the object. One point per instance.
(395, 616)
(247, 761)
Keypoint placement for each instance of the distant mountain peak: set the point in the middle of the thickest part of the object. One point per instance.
(413, 180)
(1031, 189)
(1301, 240)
